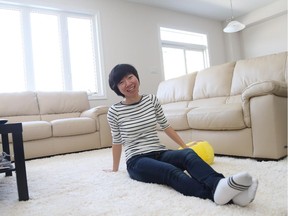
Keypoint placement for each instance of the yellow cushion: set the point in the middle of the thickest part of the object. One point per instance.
(203, 149)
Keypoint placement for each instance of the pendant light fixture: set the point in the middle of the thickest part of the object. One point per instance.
(233, 25)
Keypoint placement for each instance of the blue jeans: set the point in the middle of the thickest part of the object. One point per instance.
(167, 168)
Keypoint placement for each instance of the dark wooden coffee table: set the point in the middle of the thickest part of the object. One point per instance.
(15, 129)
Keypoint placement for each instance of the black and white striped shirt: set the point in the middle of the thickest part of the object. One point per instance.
(134, 125)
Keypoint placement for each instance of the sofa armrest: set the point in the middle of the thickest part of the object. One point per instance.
(95, 112)
(264, 88)
(269, 126)
(99, 113)
(257, 89)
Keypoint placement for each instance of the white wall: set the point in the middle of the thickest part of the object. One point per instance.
(265, 38)
(130, 34)
(265, 33)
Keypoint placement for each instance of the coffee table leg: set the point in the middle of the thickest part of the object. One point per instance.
(20, 166)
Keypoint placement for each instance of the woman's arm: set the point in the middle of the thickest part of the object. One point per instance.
(116, 152)
(174, 136)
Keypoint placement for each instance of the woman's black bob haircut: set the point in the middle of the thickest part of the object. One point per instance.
(117, 74)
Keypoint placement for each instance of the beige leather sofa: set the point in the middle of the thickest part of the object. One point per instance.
(56, 122)
(239, 107)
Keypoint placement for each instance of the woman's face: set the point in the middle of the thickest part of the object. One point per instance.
(129, 86)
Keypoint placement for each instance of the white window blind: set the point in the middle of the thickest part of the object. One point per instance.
(12, 67)
(49, 50)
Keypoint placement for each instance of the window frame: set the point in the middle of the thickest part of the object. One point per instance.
(63, 15)
(184, 46)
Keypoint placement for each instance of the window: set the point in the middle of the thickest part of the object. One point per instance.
(48, 50)
(183, 52)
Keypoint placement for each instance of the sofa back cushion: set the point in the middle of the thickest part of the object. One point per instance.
(19, 105)
(60, 105)
(62, 102)
(270, 67)
(214, 81)
(177, 89)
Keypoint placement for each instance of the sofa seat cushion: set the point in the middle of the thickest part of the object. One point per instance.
(24, 118)
(175, 106)
(34, 130)
(51, 117)
(177, 118)
(218, 117)
(215, 101)
(73, 126)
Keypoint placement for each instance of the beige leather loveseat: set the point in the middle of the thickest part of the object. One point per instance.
(239, 107)
(56, 122)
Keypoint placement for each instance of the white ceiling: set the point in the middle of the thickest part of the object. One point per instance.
(214, 9)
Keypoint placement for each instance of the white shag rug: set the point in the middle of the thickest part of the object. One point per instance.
(75, 184)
